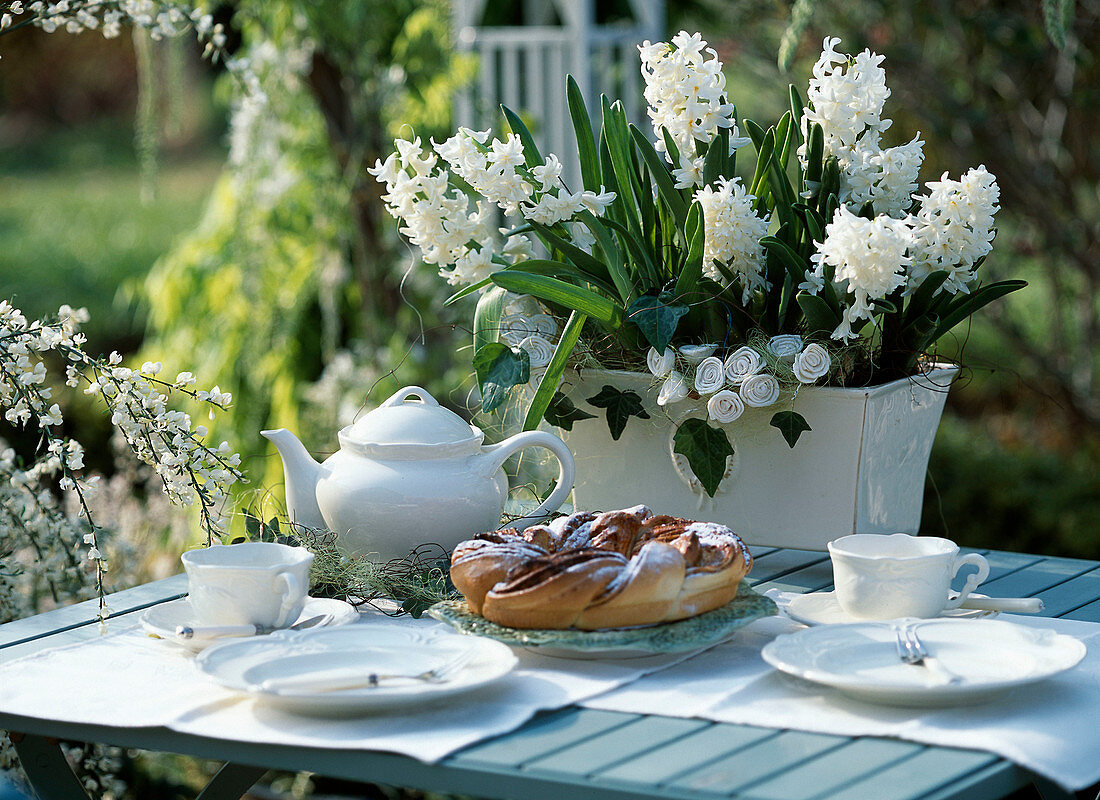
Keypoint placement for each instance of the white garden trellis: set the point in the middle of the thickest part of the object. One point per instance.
(524, 66)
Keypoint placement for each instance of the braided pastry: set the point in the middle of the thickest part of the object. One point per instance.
(591, 571)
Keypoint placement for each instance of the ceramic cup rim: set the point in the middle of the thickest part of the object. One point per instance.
(836, 548)
(297, 556)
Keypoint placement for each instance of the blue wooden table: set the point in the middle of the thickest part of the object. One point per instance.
(579, 753)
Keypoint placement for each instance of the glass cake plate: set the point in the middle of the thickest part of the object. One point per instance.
(668, 637)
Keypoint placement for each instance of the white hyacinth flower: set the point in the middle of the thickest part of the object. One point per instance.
(710, 375)
(732, 234)
(725, 406)
(812, 363)
(870, 254)
(759, 390)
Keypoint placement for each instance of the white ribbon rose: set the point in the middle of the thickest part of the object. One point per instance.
(514, 328)
(812, 363)
(759, 391)
(673, 390)
(660, 364)
(742, 363)
(786, 346)
(695, 353)
(539, 350)
(544, 325)
(725, 406)
(710, 375)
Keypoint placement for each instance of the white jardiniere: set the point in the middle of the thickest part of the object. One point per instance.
(860, 469)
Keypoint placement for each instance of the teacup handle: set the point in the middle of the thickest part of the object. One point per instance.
(292, 590)
(971, 582)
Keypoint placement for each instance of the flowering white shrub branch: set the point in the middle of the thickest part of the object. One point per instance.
(139, 403)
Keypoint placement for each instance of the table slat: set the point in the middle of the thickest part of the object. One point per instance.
(1001, 563)
(543, 736)
(1074, 593)
(1037, 577)
(717, 741)
(1089, 613)
(762, 760)
(823, 776)
(813, 578)
(80, 614)
(781, 562)
(619, 744)
(915, 777)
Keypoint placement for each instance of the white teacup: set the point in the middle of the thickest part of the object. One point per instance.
(254, 583)
(880, 576)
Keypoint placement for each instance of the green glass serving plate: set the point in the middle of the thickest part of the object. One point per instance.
(668, 637)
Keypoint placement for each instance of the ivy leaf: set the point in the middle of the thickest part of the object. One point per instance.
(620, 406)
(252, 527)
(563, 413)
(791, 425)
(706, 450)
(499, 368)
(656, 319)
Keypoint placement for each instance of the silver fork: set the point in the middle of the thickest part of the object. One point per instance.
(912, 650)
(341, 679)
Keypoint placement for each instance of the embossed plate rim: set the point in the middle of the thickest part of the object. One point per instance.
(669, 637)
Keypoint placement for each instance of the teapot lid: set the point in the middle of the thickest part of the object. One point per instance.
(398, 423)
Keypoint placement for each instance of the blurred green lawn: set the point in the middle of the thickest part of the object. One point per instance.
(74, 227)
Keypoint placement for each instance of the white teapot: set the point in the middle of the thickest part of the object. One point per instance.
(409, 473)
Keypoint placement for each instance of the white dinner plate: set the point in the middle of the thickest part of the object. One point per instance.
(162, 620)
(362, 649)
(861, 659)
(822, 608)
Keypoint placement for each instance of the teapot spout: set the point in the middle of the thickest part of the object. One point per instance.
(301, 474)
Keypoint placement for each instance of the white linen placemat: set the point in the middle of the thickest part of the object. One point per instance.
(1048, 727)
(126, 679)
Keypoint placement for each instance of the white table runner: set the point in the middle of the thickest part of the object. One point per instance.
(1048, 727)
(127, 679)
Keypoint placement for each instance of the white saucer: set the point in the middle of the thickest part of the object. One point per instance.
(245, 664)
(162, 620)
(822, 608)
(988, 656)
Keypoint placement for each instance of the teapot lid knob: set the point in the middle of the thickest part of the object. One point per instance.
(403, 394)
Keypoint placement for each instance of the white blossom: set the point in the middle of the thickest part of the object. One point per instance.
(710, 375)
(725, 406)
(871, 255)
(759, 390)
(685, 93)
(732, 232)
(846, 96)
(954, 228)
(812, 363)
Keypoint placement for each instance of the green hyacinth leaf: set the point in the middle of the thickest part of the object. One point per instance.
(791, 424)
(706, 450)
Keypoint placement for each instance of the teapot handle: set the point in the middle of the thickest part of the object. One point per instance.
(497, 454)
(401, 395)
